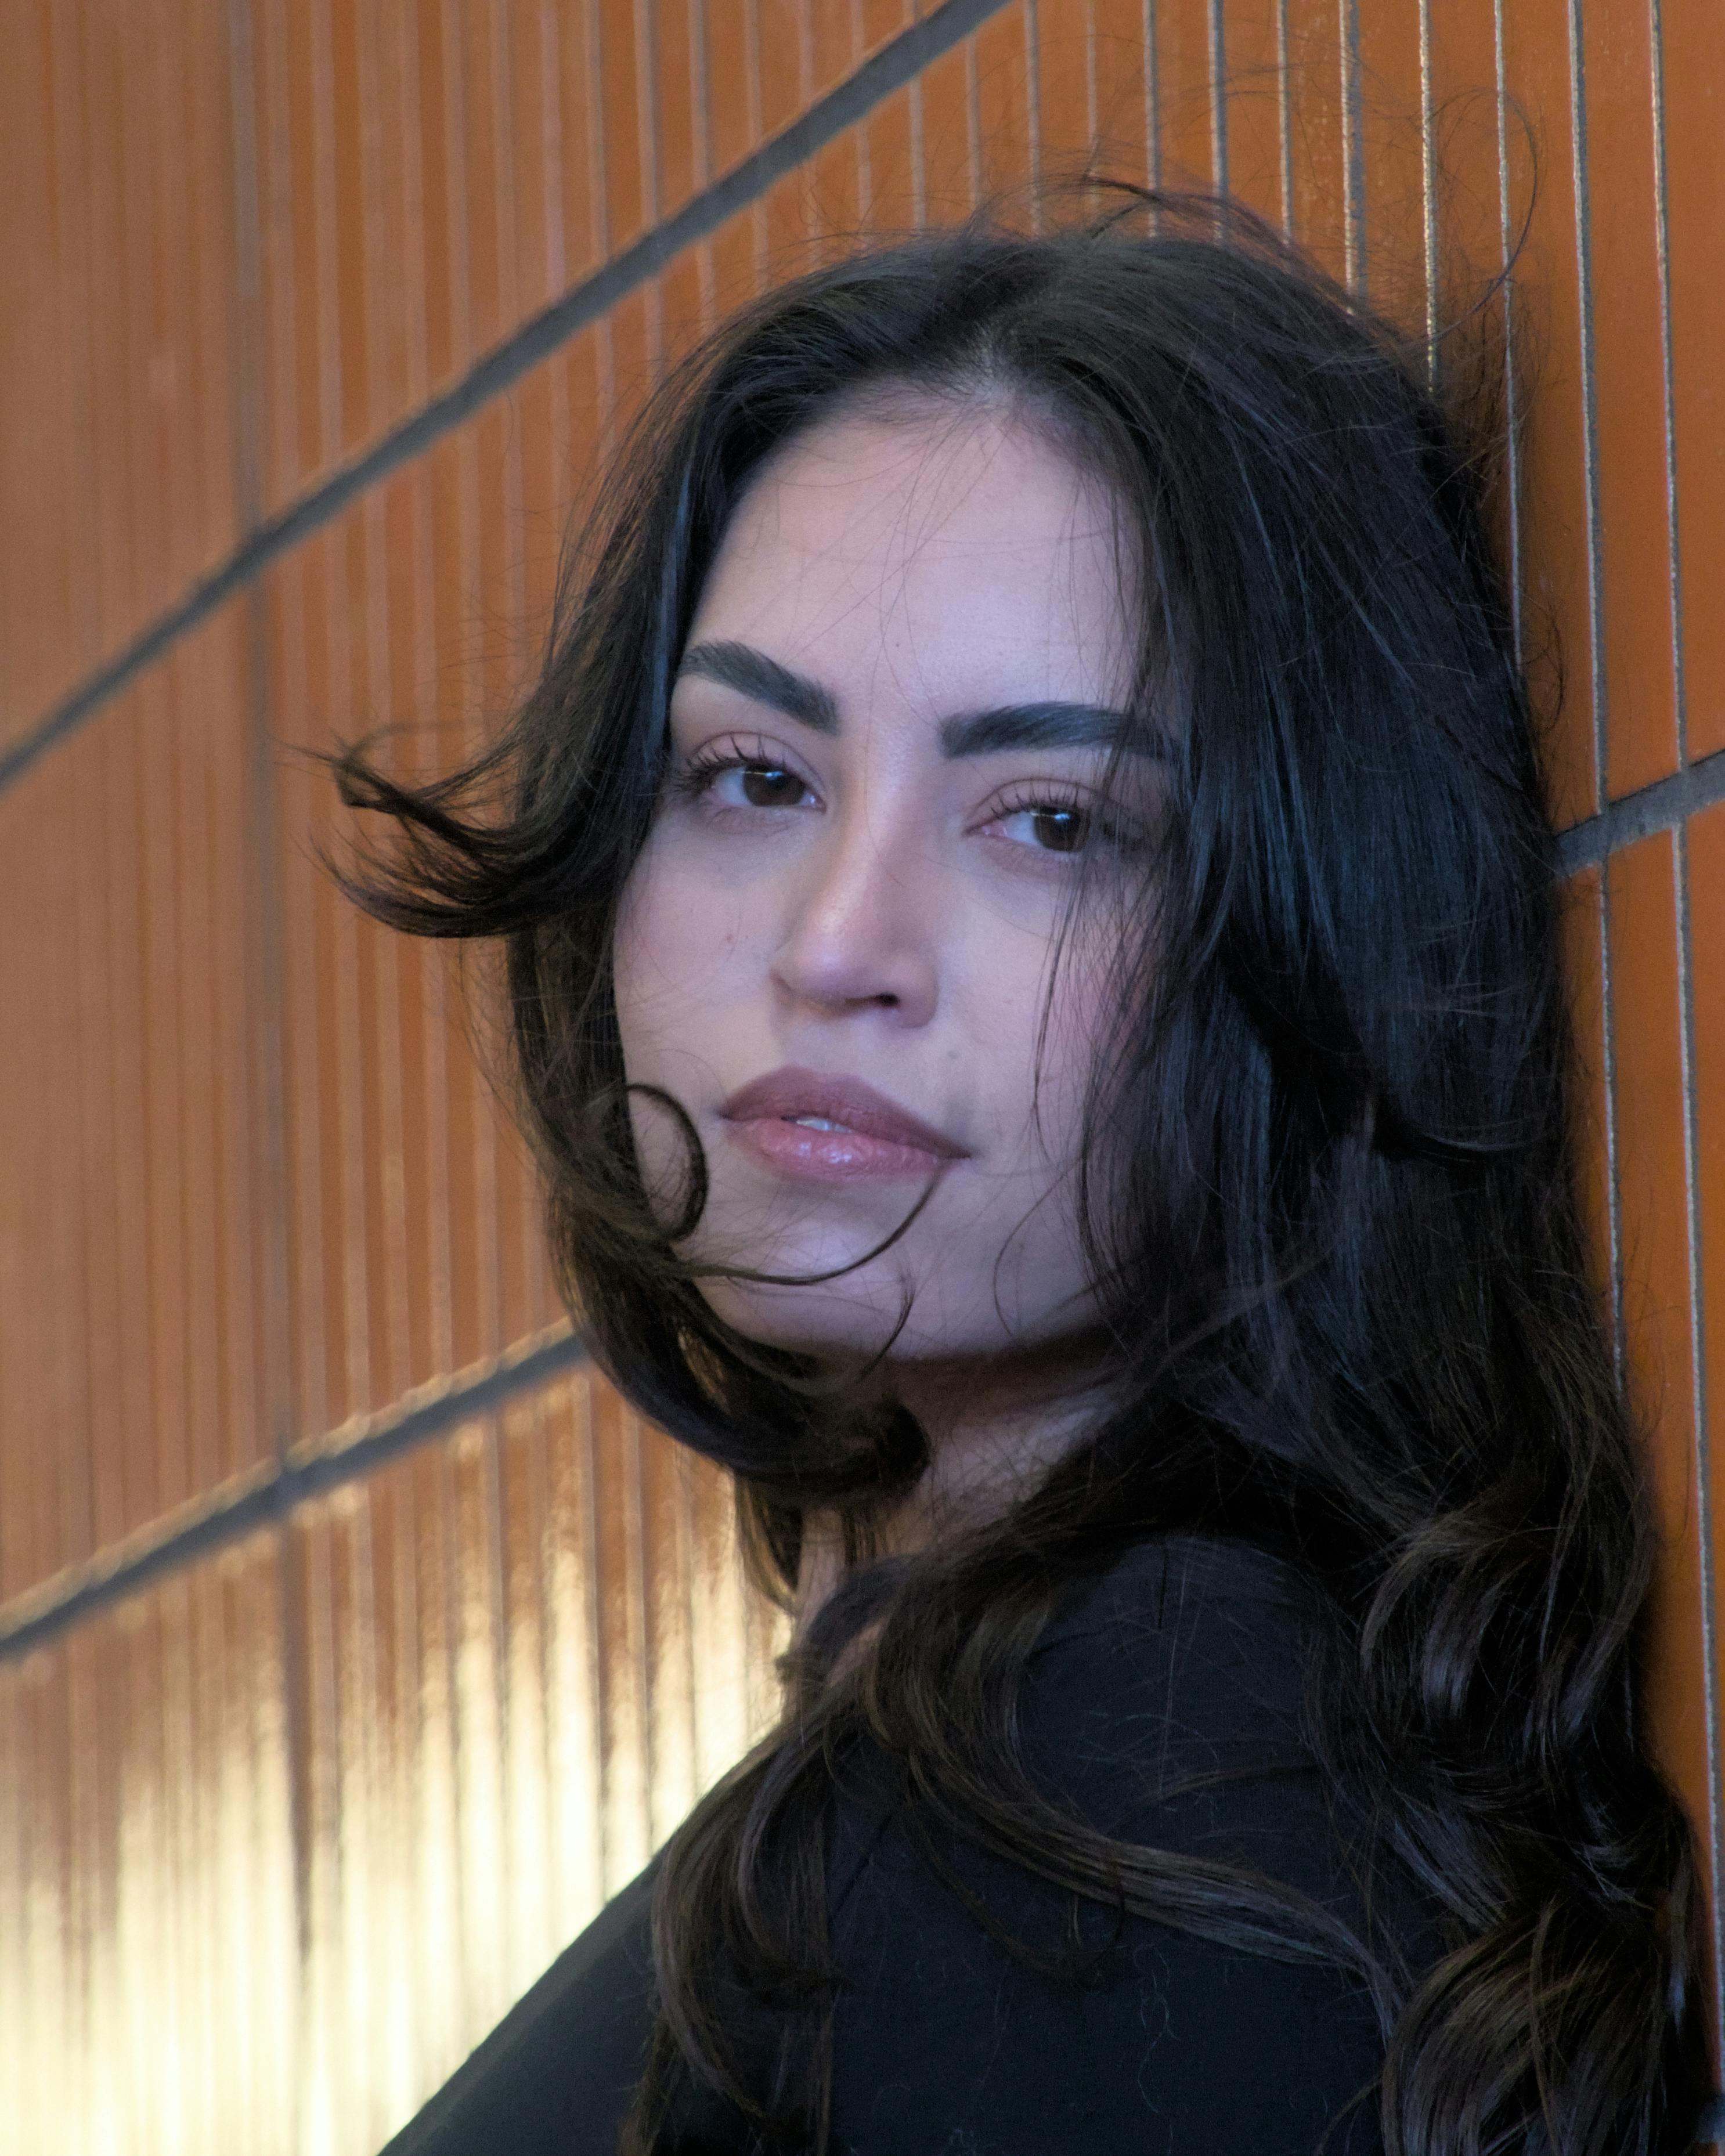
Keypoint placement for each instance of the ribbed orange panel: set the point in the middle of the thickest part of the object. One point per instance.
(1703, 895)
(149, 1993)
(1621, 175)
(355, 1641)
(1558, 547)
(1691, 87)
(525, 1652)
(131, 1325)
(1645, 958)
(116, 258)
(1320, 109)
(1258, 144)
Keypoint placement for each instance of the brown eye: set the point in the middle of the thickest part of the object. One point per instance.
(766, 786)
(1060, 830)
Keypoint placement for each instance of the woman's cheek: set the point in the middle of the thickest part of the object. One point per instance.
(646, 966)
(675, 960)
(657, 956)
(1039, 1005)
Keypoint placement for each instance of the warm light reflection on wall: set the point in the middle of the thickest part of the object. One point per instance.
(527, 1650)
(149, 1980)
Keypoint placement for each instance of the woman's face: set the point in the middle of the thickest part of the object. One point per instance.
(894, 711)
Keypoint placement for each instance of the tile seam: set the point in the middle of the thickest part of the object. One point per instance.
(1686, 1019)
(1661, 205)
(1508, 249)
(1702, 1453)
(1355, 245)
(1284, 120)
(1613, 1164)
(42, 1613)
(1589, 399)
(880, 77)
(1428, 191)
(1663, 805)
(1033, 98)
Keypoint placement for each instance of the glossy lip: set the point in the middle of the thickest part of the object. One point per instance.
(876, 1137)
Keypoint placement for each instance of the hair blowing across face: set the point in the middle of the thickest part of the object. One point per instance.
(1340, 1252)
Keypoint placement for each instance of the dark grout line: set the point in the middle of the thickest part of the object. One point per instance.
(892, 69)
(1660, 807)
(45, 1612)
(1579, 175)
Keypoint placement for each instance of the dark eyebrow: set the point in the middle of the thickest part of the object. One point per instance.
(1045, 726)
(753, 674)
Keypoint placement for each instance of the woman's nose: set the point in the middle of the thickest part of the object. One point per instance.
(863, 926)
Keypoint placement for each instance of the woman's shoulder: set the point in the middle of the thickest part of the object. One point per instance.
(1170, 1584)
(1164, 1707)
(1185, 1699)
(555, 2077)
(1192, 1648)
(1166, 1703)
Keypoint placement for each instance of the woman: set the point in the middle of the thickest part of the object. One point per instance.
(1032, 952)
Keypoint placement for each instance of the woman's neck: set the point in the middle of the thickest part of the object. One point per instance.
(994, 1428)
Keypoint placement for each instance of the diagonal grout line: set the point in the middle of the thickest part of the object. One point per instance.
(1660, 807)
(40, 1613)
(895, 65)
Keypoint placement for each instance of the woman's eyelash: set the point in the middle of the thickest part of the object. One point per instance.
(691, 778)
(1042, 799)
(1102, 824)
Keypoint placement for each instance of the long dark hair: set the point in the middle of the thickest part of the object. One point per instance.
(1346, 1280)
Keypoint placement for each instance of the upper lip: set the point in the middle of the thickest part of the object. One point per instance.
(792, 1092)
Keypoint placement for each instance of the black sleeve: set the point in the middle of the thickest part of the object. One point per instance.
(1164, 1709)
(1167, 1713)
(555, 2077)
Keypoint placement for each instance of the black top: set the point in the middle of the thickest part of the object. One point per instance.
(1166, 1705)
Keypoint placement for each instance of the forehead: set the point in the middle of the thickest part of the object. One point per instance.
(942, 557)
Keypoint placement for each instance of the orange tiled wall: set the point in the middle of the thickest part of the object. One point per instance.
(354, 1642)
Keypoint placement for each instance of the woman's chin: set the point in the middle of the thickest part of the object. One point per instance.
(805, 1320)
(856, 1325)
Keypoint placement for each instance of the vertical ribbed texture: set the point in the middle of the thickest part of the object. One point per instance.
(283, 1831)
(117, 451)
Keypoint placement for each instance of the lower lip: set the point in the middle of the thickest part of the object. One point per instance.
(793, 1149)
